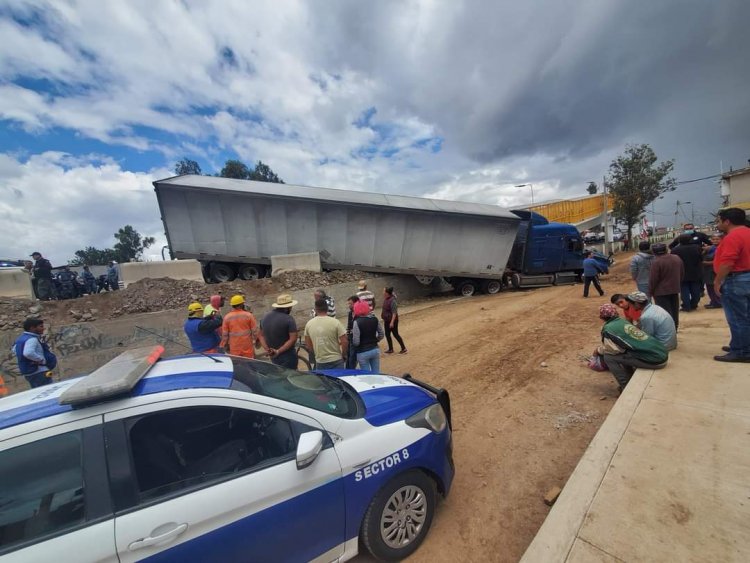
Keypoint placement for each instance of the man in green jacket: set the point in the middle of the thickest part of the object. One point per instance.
(626, 347)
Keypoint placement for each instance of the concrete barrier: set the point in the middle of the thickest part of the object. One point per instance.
(15, 283)
(309, 261)
(176, 269)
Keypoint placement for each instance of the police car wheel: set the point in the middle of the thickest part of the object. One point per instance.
(399, 516)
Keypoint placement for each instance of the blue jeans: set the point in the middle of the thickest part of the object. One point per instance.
(735, 297)
(690, 291)
(38, 379)
(643, 288)
(370, 360)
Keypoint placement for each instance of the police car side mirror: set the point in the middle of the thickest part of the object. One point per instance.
(308, 448)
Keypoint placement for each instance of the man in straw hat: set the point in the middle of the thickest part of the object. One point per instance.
(280, 332)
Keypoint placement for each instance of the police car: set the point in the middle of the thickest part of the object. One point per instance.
(220, 458)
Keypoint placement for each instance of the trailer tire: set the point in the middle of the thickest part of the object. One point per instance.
(222, 272)
(251, 272)
(465, 288)
(491, 287)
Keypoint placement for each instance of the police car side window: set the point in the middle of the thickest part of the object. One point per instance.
(190, 447)
(41, 489)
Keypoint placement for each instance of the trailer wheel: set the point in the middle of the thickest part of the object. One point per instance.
(466, 288)
(251, 272)
(491, 287)
(425, 280)
(221, 272)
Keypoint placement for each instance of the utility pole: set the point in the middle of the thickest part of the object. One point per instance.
(606, 216)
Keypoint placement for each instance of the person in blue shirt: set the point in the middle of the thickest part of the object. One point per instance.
(591, 269)
(35, 360)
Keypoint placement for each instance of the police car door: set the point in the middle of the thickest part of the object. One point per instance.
(216, 479)
(54, 497)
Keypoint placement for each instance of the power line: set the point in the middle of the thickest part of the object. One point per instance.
(697, 179)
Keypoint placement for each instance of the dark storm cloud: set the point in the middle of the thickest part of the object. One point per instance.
(559, 78)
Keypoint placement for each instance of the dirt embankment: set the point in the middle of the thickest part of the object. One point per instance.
(160, 294)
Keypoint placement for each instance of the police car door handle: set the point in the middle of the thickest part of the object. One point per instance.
(362, 464)
(161, 536)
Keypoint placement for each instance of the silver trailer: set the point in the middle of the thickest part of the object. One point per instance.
(233, 227)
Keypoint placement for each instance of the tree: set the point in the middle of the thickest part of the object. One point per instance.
(235, 169)
(187, 166)
(635, 180)
(592, 188)
(130, 245)
(93, 256)
(263, 173)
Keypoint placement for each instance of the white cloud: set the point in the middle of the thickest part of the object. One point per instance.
(57, 203)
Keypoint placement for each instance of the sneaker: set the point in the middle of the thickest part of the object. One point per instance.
(710, 306)
(404, 351)
(732, 358)
(388, 352)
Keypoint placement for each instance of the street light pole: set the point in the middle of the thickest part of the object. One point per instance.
(532, 191)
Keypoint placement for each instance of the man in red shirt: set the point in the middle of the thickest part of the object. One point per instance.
(732, 283)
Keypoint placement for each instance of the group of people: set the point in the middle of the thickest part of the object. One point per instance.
(333, 345)
(691, 264)
(67, 283)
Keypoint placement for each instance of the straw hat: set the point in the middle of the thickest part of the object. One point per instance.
(284, 301)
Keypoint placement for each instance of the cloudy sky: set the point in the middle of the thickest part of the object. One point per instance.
(456, 100)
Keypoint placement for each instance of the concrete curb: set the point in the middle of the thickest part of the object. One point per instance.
(556, 537)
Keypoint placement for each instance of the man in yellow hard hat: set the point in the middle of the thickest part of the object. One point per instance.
(240, 330)
(201, 331)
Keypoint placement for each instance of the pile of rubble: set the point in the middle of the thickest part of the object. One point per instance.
(160, 294)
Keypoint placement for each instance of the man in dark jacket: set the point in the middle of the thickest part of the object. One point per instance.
(696, 237)
(42, 272)
(665, 279)
(692, 282)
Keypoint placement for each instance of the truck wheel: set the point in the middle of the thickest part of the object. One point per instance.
(399, 517)
(515, 281)
(251, 272)
(466, 288)
(491, 287)
(221, 272)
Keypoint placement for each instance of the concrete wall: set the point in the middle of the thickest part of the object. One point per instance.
(85, 346)
(739, 189)
(309, 261)
(176, 269)
(15, 283)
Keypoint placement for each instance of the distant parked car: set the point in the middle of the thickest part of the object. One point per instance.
(11, 264)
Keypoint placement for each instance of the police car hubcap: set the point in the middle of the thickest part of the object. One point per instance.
(403, 516)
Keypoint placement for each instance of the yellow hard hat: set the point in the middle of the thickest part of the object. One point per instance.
(236, 300)
(195, 309)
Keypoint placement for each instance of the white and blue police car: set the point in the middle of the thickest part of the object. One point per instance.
(220, 458)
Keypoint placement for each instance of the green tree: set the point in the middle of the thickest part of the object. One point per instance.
(235, 169)
(635, 180)
(592, 188)
(263, 173)
(130, 244)
(93, 256)
(187, 166)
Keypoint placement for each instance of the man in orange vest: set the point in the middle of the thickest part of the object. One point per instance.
(240, 330)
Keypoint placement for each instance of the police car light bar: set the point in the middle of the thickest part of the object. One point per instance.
(116, 377)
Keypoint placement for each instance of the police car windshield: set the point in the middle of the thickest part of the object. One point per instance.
(319, 392)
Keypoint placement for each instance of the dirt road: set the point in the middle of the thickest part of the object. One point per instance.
(524, 405)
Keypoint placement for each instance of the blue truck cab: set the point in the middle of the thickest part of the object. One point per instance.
(544, 253)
